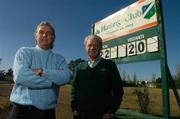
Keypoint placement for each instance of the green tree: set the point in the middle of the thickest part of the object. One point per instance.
(158, 82)
(9, 73)
(2, 75)
(177, 76)
(9, 76)
(74, 63)
(143, 83)
(143, 99)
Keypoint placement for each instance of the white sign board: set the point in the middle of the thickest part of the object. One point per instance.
(138, 16)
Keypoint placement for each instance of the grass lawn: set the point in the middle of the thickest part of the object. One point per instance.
(130, 101)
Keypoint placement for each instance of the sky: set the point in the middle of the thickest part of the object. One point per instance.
(73, 21)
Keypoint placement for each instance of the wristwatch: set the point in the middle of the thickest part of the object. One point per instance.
(40, 72)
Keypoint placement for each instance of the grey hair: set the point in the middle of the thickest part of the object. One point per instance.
(93, 37)
(46, 23)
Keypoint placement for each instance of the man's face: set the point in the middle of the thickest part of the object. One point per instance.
(93, 49)
(44, 37)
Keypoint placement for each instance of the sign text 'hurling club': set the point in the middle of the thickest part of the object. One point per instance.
(132, 31)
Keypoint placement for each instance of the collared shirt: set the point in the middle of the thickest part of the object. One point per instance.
(31, 89)
(92, 64)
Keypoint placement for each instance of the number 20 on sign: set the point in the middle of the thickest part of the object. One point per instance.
(132, 48)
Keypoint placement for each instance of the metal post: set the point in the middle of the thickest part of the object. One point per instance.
(164, 70)
(174, 87)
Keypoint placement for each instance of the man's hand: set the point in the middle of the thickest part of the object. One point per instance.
(38, 71)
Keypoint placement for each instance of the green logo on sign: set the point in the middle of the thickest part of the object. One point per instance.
(148, 10)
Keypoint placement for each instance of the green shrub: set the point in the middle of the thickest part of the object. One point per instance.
(143, 99)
